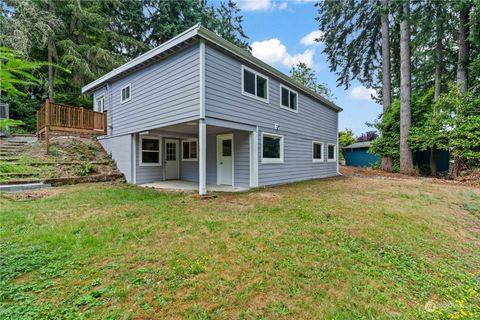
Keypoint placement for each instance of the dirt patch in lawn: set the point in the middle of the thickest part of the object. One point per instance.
(470, 179)
(32, 195)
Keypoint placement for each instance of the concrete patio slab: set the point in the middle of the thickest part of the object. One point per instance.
(181, 185)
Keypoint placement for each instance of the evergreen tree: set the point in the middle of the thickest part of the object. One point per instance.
(307, 76)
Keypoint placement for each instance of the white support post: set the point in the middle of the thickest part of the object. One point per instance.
(254, 159)
(202, 157)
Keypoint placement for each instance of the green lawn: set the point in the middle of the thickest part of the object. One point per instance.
(347, 248)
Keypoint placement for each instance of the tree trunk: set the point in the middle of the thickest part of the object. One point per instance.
(50, 70)
(406, 161)
(386, 76)
(50, 60)
(462, 51)
(438, 66)
(433, 160)
(461, 69)
(438, 85)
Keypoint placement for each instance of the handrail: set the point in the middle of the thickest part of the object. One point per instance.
(69, 118)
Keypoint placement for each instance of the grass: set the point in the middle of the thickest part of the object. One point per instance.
(349, 248)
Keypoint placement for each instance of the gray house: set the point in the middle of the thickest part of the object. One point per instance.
(200, 109)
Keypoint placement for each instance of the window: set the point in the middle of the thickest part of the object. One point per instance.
(332, 152)
(317, 151)
(190, 150)
(126, 93)
(288, 99)
(272, 148)
(150, 154)
(100, 104)
(227, 148)
(254, 84)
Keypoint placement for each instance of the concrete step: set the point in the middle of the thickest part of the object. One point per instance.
(23, 187)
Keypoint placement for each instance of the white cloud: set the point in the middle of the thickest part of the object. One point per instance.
(255, 5)
(275, 53)
(261, 5)
(362, 93)
(282, 6)
(309, 39)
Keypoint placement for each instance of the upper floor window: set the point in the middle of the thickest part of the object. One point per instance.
(100, 103)
(288, 99)
(126, 93)
(254, 84)
(190, 150)
(332, 152)
(317, 152)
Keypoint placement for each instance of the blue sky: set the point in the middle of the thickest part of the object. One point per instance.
(278, 35)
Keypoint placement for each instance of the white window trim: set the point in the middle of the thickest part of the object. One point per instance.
(273, 160)
(321, 148)
(254, 96)
(121, 90)
(334, 152)
(183, 155)
(289, 90)
(102, 96)
(140, 150)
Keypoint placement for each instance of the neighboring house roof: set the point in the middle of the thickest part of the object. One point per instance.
(184, 39)
(359, 145)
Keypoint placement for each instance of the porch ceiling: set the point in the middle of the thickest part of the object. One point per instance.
(188, 129)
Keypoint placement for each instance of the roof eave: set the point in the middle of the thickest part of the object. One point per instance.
(187, 34)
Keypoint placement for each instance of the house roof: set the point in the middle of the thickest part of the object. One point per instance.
(359, 145)
(184, 39)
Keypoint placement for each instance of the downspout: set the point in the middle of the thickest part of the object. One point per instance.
(338, 151)
(110, 109)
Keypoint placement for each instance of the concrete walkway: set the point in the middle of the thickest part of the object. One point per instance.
(181, 185)
(23, 187)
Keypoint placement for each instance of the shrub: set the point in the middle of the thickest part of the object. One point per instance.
(86, 168)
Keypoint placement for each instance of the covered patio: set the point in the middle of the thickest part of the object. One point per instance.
(203, 155)
(182, 185)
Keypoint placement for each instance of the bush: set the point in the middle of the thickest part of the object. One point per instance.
(86, 169)
(7, 125)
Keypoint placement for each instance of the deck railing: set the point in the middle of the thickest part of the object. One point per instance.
(61, 117)
(57, 117)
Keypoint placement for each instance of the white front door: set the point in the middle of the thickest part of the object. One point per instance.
(225, 159)
(172, 168)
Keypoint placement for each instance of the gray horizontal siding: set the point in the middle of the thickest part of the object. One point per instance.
(146, 174)
(297, 163)
(164, 93)
(241, 145)
(120, 149)
(189, 169)
(224, 100)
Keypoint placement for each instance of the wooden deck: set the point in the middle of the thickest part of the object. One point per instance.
(55, 118)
